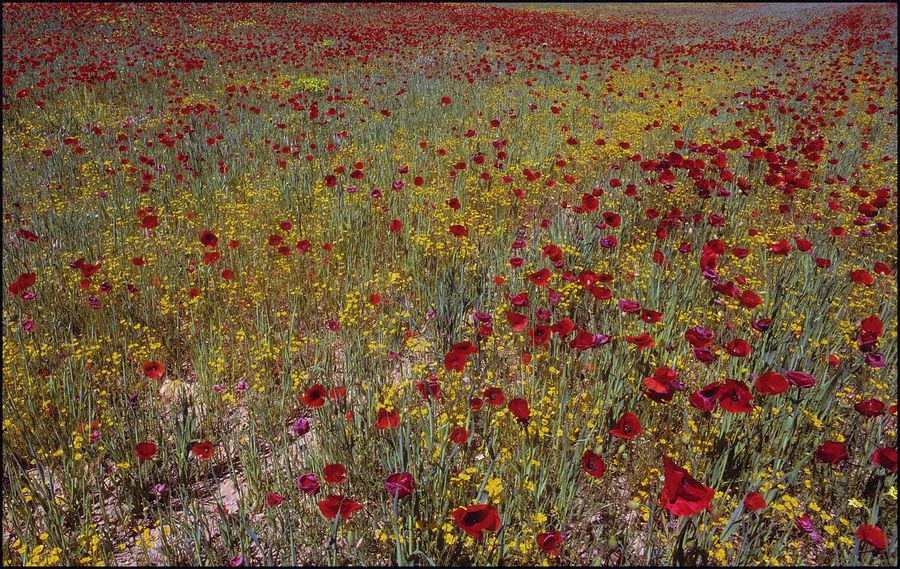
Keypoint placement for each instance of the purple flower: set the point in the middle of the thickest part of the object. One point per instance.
(308, 484)
(301, 426)
(28, 325)
(607, 242)
(875, 360)
(429, 389)
(28, 295)
(760, 325)
(241, 385)
(218, 388)
(629, 306)
(237, 560)
(710, 274)
(483, 317)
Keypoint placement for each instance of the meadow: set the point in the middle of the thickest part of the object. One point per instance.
(449, 284)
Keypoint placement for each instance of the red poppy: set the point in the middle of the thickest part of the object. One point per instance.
(642, 341)
(203, 450)
(211, 257)
(400, 484)
(454, 204)
(516, 321)
(334, 473)
(396, 225)
(194, 292)
(651, 316)
(628, 427)
(548, 541)
(707, 399)
(22, 283)
(519, 408)
(886, 457)
(771, 383)
(780, 248)
(285, 225)
(459, 231)
(446, 100)
(315, 397)
(154, 370)
(476, 403)
(387, 419)
(455, 360)
(750, 299)
(683, 495)
(593, 464)
(738, 348)
(474, 519)
(698, 336)
(799, 379)
(734, 397)
(208, 239)
(754, 501)
(459, 435)
(831, 452)
(337, 504)
(138, 262)
(869, 408)
(661, 379)
(563, 328)
(227, 274)
(861, 277)
(150, 222)
(589, 202)
(273, 499)
(494, 395)
(871, 535)
(145, 450)
(540, 278)
(823, 263)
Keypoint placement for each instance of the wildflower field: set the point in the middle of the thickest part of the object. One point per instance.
(449, 284)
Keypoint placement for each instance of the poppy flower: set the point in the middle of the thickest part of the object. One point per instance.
(145, 450)
(754, 501)
(475, 519)
(660, 380)
(446, 100)
(400, 484)
(563, 328)
(683, 495)
(539, 335)
(301, 426)
(334, 473)
(429, 389)
(459, 435)
(540, 278)
(154, 370)
(771, 383)
(642, 341)
(308, 484)
(750, 299)
(210, 257)
(375, 299)
(738, 348)
(831, 452)
(704, 356)
(886, 457)
(455, 360)
(454, 204)
(273, 499)
(387, 419)
(861, 277)
(871, 535)
(476, 403)
(22, 283)
(873, 325)
(734, 397)
(396, 225)
(698, 336)
(315, 396)
(208, 239)
(516, 321)
(149, 222)
(548, 541)
(800, 379)
(628, 427)
(203, 450)
(519, 408)
(760, 325)
(494, 396)
(593, 464)
(707, 399)
(458, 231)
(337, 504)
(869, 408)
